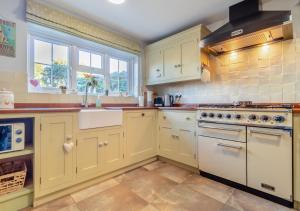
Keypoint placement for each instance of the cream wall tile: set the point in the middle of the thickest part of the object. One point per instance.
(263, 74)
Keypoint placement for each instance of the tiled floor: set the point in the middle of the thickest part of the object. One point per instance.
(159, 186)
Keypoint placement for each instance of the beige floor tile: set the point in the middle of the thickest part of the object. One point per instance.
(244, 201)
(154, 165)
(184, 198)
(150, 187)
(173, 173)
(114, 199)
(209, 187)
(62, 204)
(131, 175)
(88, 192)
(150, 208)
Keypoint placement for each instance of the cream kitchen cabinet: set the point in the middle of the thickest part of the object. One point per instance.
(99, 151)
(140, 134)
(296, 148)
(177, 137)
(155, 66)
(56, 152)
(179, 57)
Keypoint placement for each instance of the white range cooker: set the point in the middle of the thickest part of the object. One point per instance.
(250, 147)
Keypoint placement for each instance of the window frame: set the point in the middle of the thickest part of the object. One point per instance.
(76, 44)
(31, 64)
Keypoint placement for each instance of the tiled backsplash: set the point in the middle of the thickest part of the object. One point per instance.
(265, 74)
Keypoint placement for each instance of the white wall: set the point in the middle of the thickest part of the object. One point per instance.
(13, 71)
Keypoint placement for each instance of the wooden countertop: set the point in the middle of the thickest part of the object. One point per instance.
(38, 110)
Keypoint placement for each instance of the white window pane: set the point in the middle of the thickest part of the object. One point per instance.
(60, 54)
(42, 52)
(96, 61)
(123, 76)
(113, 65)
(123, 65)
(84, 58)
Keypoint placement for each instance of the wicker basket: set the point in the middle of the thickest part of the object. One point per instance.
(12, 176)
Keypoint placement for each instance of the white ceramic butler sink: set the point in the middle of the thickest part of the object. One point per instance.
(95, 118)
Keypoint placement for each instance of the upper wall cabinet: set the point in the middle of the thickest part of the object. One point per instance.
(176, 58)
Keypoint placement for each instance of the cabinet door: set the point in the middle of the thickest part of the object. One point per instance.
(172, 62)
(56, 162)
(154, 66)
(140, 136)
(88, 154)
(187, 147)
(113, 149)
(168, 143)
(190, 57)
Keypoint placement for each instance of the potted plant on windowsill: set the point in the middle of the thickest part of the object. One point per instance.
(63, 89)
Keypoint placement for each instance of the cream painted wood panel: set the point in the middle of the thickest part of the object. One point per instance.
(56, 163)
(172, 62)
(187, 147)
(88, 154)
(168, 143)
(297, 157)
(113, 149)
(190, 56)
(140, 135)
(155, 70)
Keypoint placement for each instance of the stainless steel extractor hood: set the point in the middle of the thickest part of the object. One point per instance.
(249, 26)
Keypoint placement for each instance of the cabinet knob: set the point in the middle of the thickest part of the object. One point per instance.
(100, 144)
(175, 66)
(157, 70)
(105, 143)
(188, 118)
(164, 117)
(143, 114)
(179, 65)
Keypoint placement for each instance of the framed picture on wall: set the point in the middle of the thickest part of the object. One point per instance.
(7, 38)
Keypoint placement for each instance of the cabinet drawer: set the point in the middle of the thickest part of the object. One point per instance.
(172, 118)
(142, 113)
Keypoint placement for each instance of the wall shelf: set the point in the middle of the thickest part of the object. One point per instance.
(26, 151)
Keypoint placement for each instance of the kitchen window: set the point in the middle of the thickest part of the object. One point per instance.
(59, 60)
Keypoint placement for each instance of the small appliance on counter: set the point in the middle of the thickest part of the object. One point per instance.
(6, 99)
(169, 100)
(159, 101)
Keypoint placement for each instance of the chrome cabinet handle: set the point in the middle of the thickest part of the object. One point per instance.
(221, 128)
(265, 133)
(229, 146)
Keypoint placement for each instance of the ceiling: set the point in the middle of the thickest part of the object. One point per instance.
(151, 20)
(148, 20)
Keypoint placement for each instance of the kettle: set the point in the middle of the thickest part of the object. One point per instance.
(169, 100)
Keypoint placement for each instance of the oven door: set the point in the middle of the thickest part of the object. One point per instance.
(269, 161)
(6, 137)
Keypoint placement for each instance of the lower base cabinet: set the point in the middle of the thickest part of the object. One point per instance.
(177, 137)
(99, 152)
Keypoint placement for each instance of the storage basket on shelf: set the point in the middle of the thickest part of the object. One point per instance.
(12, 176)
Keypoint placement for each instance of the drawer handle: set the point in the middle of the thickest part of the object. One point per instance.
(175, 136)
(68, 147)
(157, 70)
(185, 130)
(229, 146)
(188, 118)
(69, 138)
(268, 187)
(221, 128)
(265, 133)
(143, 114)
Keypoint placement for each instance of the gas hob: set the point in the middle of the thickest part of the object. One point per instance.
(262, 115)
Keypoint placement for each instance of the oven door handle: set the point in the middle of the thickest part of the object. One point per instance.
(221, 128)
(229, 146)
(266, 133)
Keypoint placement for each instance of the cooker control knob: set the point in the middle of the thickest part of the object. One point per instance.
(19, 131)
(19, 140)
(279, 118)
(264, 118)
(211, 115)
(228, 116)
(252, 117)
(220, 116)
(238, 116)
(204, 114)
